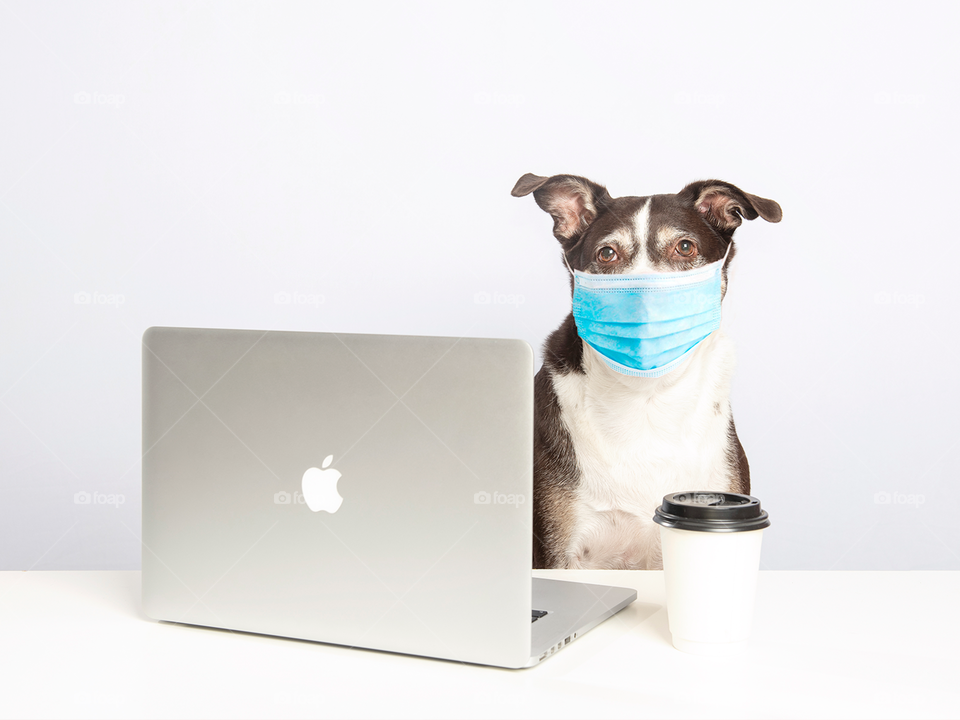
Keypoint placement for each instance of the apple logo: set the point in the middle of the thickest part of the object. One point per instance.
(320, 487)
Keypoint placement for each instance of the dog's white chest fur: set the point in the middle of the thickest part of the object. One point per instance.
(638, 439)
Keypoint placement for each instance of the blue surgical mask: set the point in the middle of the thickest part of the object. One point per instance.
(646, 325)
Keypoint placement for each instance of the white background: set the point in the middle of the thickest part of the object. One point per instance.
(348, 167)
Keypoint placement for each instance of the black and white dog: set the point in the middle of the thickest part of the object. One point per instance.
(609, 446)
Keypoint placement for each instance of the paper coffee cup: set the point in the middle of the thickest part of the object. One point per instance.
(711, 557)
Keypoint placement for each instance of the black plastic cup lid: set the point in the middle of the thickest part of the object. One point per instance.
(711, 512)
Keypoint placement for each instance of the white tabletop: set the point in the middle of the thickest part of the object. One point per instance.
(825, 644)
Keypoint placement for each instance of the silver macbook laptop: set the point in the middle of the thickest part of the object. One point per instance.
(365, 490)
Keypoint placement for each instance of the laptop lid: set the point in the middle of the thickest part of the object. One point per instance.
(427, 553)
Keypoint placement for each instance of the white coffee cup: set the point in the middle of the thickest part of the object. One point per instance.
(711, 557)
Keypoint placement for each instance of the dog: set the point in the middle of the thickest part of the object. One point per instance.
(609, 446)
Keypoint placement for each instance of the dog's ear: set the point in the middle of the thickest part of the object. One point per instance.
(574, 202)
(724, 205)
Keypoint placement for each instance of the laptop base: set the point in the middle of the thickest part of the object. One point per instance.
(572, 608)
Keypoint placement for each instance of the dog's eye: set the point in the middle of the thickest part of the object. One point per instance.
(607, 254)
(686, 248)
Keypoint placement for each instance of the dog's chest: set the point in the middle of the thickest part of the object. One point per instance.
(635, 443)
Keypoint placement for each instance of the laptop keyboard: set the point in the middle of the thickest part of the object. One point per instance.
(537, 614)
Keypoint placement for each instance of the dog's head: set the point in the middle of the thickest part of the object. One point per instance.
(659, 233)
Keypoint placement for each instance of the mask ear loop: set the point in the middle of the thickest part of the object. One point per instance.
(725, 254)
(563, 254)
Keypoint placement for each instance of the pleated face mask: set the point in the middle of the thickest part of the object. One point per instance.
(646, 325)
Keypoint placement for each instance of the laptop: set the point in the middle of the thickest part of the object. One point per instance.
(372, 491)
